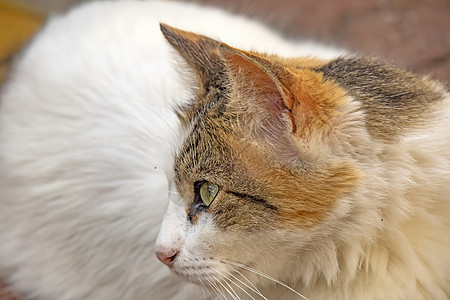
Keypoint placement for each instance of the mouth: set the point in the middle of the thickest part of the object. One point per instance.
(196, 271)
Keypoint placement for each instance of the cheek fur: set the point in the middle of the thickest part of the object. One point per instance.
(311, 196)
(302, 197)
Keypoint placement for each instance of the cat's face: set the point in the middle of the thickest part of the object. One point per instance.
(264, 175)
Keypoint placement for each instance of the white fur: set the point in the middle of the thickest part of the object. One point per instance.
(387, 239)
(87, 135)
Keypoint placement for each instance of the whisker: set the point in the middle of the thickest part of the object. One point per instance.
(226, 278)
(241, 288)
(265, 276)
(236, 296)
(219, 282)
(252, 287)
(255, 290)
(214, 287)
(204, 287)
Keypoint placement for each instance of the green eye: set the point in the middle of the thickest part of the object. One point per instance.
(208, 191)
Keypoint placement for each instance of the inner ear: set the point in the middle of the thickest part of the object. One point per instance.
(257, 82)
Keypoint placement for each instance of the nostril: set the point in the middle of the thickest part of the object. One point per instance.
(172, 257)
(166, 257)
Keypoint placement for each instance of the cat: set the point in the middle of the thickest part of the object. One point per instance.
(285, 178)
(87, 139)
(332, 176)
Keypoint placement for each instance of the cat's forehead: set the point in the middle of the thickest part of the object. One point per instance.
(208, 103)
(206, 149)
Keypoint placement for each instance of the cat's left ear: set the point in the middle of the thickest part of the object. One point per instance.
(200, 52)
(286, 106)
(259, 79)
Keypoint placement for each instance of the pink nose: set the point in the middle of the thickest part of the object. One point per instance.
(166, 256)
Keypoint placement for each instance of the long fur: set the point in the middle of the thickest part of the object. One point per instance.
(87, 136)
(333, 177)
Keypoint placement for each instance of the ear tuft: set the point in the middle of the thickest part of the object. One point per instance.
(256, 79)
(200, 52)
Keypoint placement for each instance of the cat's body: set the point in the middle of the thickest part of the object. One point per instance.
(330, 175)
(87, 136)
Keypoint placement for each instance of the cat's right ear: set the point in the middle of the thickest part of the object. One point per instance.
(200, 52)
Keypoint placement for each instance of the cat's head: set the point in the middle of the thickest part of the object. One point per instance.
(268, 170)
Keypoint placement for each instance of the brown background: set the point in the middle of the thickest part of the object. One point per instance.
(411, 33)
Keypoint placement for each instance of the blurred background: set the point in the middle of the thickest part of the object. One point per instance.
(414, 34)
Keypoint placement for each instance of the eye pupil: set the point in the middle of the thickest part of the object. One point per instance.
(208, 191)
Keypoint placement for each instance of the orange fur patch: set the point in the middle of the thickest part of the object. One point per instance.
(309, 101)
(314, 103)
(303, 197)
